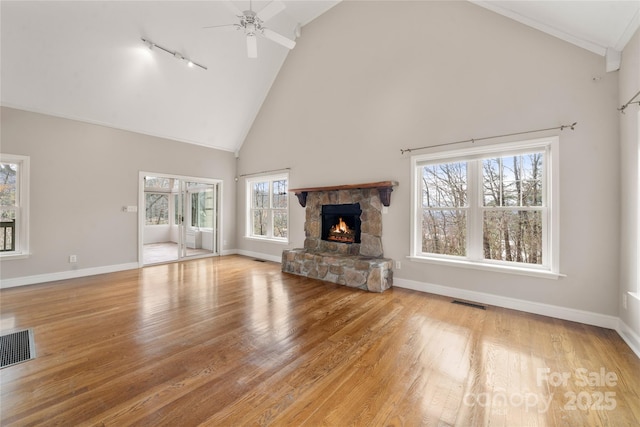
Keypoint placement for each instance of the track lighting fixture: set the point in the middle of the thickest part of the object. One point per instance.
(175, 54)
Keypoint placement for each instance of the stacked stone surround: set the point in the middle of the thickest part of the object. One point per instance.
(369, 274)
(358, 265)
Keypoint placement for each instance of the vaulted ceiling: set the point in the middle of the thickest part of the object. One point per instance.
(592, 25)
(86, 60)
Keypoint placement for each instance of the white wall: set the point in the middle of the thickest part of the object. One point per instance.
(369, 78)
(629, 186)
(158, 233)
(81, 177)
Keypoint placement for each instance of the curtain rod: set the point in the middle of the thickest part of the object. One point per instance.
(621, 109)
(473, 140)
(261, 172)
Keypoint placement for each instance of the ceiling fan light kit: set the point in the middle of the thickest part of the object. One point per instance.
(252, 46)
(252, 24)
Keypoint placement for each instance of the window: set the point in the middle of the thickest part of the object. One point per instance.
(160, 183)
(268, 202)
(202, 208)
(176, 211)
(491, 207)
(14, 206)
(156, 197)
(156, 208)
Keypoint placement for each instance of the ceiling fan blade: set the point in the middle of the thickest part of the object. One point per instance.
(227, 27)
(252, 46)
(271, 10)
(233, 8)
(272, 35)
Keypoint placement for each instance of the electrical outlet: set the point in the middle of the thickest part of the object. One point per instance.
(73, 258)
(398, 265)
(624, 301)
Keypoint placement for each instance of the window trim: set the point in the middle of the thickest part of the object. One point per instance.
(551, 239)
(22, 209)
(249, 209)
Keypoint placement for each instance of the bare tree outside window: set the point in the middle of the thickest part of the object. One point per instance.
(512, 208)
(8, 184)
(513, 204)
(268, 216)
(260, 202)
(444, 213)
(280, 200)
(8, 205)
(156, 209)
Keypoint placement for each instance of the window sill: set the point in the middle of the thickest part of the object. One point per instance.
(7, 257)
(531, 272)
(267, 240)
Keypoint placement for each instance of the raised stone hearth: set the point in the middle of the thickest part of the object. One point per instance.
(359, 265)
(370, 274)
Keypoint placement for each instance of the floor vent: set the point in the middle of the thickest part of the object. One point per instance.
(469, 304)
(16, 347)
(259, 260)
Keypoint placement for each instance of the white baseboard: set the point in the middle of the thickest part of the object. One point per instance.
(565, 313)
(259, 255)
(629, 336)
(63, 275)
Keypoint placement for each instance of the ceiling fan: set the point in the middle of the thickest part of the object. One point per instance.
(252, 24)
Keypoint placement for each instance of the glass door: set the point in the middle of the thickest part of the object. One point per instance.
(180, 218)
(199, 227)
(159, 235)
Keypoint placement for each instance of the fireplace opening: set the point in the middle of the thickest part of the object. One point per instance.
(341, 223)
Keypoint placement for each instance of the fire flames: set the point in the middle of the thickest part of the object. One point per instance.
(341, 232)
(340, 227)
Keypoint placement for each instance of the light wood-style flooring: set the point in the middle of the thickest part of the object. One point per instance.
(230, 341)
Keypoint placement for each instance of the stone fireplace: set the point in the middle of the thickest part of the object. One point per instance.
(343, 236)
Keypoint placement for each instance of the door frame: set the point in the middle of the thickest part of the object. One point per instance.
(142, 209)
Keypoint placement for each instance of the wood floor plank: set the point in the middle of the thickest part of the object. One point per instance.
(230, 341)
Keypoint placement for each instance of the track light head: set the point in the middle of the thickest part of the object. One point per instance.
(174, 53)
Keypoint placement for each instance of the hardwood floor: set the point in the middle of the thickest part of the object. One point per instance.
(231, 341)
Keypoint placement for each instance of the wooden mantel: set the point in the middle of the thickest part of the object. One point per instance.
(384, 188)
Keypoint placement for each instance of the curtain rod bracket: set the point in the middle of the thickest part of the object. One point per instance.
(621, 109)
(631, 101)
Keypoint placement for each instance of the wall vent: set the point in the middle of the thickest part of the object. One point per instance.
(469, 304)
